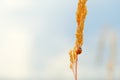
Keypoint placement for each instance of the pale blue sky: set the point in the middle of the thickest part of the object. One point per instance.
(36, 36)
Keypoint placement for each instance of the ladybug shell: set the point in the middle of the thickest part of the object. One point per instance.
(79, 51)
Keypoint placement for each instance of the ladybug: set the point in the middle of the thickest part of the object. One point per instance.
(79, 50)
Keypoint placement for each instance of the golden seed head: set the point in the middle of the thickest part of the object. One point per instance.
(80, 18)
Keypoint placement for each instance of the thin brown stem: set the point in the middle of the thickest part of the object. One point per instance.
(76, 64)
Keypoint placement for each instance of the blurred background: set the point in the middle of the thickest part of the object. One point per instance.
(36, 36)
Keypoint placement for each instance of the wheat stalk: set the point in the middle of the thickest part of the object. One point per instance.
(80, 18)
